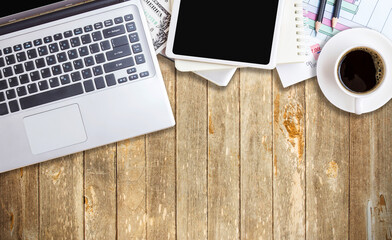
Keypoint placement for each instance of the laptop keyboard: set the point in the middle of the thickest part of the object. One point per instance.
(70, 63)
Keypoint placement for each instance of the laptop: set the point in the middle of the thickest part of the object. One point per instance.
(75, 75)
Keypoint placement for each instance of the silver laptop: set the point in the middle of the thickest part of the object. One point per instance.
(75, 75)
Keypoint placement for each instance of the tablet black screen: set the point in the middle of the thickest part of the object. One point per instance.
(235, 31)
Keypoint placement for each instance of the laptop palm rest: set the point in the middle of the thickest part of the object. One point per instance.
(55, 129)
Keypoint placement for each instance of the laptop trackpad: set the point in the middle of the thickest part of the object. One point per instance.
(55, 129)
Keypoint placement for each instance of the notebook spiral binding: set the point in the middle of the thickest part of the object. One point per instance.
(300, 25)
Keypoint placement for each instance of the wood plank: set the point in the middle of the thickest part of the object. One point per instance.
(131, 189)
(256, 154)
(327, 167)
(61, 198)
(191, 157)
(289, 160)
(19, 204)
(161, 170)
(370, 175)
(100, 192)
(224, 161)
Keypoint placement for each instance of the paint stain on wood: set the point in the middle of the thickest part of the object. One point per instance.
(88, 205)
(275, 165)
(332, 170)
(276, 109)
(292, 121)
(210, 125)
(12, 221)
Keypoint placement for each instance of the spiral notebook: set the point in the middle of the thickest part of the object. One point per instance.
(291, 47)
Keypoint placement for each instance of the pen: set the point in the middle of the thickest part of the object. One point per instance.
(320, 15)
(336, 13)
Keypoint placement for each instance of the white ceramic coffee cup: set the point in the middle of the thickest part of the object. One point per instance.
(359, 97)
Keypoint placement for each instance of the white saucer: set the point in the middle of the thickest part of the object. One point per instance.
(326, 64)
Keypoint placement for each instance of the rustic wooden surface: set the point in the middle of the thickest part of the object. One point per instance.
(249, 161)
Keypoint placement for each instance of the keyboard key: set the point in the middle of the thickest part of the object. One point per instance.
(133, 77)
(122, 80)
(10, 59)
(97, 36)
(105, 45)
(100, 58)
(113, 31)
(8, 72)
(89, 61)
(86, 73)
(86, 39)
(140, 59)
(131, 70)
(118, 52)
(68, 34)
(50, 60)
(14, 107)
(37, 42)
(119, 41)
(88, 28)
(131, 27)
(54, 47)
(34, 76)
(119, 64)
(48, 39)
(43, 85)
(13, 82)
(45, 73)
(97, 70)
(24, 78)
(27, 45)
(110, 80)
(18, 68)
(118, 20)
(83, 51)
(108, 23)
(2, 97)
(75, 76)
(54, 82)
(10, 93)
(88, 86)
(3, 109)
(133, 37)
(18, 47)
(21, 91)
(78, 31)
(137, 48)
(7, 50)
(62, 57)
(78, 64)
(51, 96)
(64, 45)
(72, 54)
(29, 66)
(2, 62)
(42, 51)
(144, 74)
(99, 82)
(21, 56)
(98, 25)
(40, 62)
(58, 36)
(75, 42)
(65, 79)
(56, 70)
(94, 48)
(32, 88)
(67, 67)
(128, 17)
(32, 53)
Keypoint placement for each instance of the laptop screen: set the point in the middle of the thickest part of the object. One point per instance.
(15, 11)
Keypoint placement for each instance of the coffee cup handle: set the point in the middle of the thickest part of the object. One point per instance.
(358, 106)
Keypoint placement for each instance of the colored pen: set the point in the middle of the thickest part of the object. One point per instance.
(320, 15)
(336, 12)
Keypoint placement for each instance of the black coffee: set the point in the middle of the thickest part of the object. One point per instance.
(361, 70)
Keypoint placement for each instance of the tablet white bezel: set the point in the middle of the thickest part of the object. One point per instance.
(274, 48)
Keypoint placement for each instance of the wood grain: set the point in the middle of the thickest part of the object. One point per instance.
(223, 161)
(327, 167)
(256, 154)
(249, 161)
(192, 125)
(289, 161)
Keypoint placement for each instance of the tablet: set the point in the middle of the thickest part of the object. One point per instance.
(242, 33)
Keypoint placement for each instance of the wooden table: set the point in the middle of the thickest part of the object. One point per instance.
(249, 161)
